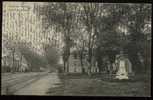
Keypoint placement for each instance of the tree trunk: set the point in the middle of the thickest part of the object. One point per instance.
(68, 66)
(81, 58)
(13, 67)
(64, 66)
(82, 65)
(90, 54)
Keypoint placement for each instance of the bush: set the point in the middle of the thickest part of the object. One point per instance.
(35, 61)
(52, 56)
(60, 68)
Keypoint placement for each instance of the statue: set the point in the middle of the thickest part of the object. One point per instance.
(124, 67)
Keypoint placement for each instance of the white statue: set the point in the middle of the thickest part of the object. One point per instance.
(124, 67)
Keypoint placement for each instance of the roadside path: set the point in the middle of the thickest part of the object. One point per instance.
(41, 86)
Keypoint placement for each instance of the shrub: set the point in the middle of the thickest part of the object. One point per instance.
(52, 56)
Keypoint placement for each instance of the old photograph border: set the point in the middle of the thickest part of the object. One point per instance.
(69, 75)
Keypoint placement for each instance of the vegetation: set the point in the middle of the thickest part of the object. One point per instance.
(52, 55)
(108, 28)
(95, 30)
(35, 61)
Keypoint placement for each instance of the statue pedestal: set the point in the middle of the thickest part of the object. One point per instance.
(120, 77)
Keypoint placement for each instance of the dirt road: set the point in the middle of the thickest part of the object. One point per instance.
(41, 86)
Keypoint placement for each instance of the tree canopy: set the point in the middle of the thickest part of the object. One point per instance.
(102, 29)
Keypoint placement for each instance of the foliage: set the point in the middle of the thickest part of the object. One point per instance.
(35, 61)
(101, 29)
(52, 55)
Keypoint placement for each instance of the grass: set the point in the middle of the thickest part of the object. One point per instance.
(101, 85)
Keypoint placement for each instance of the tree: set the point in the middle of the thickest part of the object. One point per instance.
(108, 29)
(35, 61)
(129, 38)
(137, 20)
(102, 36)
(80, 43)
(52, 55)
(60, 17)
(90, 12)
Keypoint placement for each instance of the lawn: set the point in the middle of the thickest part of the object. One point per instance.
(101, 85)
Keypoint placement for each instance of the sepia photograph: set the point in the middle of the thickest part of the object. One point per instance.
(76, 49)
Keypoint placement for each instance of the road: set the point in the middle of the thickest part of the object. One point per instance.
(41, 86)
(12, 82)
